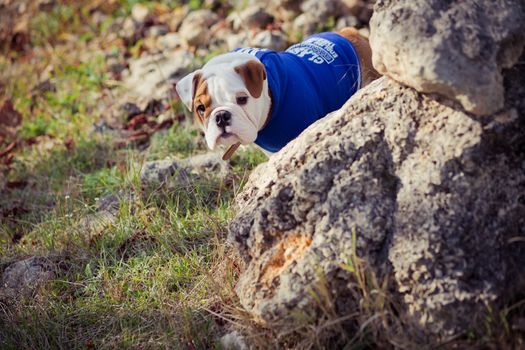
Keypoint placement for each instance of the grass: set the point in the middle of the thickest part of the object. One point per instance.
(145, 278)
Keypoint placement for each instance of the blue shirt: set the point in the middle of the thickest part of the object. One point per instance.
(307, 81)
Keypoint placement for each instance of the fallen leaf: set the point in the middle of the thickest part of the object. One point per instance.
(70, 144)
(7, 149)
(135, 122)
(7, 160)
(165, 124)
(140, 135)
(16, 184)
(9, 116)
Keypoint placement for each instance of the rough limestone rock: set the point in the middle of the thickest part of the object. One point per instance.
(195, 29)
(270, 39)
(153, 76)
(252, 17)
(106, 213)
(175, 171)
(434, 196)
(234, 341)
(21, 278)
(455, 48)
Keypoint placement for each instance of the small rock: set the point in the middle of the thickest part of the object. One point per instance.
(153, 76)
(218, 6)
(255, 17)
(206, 164)
(157, 30)
(305, 25)
(354, 7)
(194, 30)
(169, 41)
(149, 43)
(234, 341)
(219, 41)
(23, 277)
(319, 8)
(347, 21)
(129, 30)
(161, 171)
(234, 21)
(98, 18)
(109, 203)
(170, 171)
(273, 40)
(174, 19)
(139, 13)
(285, 10)
(106, 213)
(130, 110)
(234, 41)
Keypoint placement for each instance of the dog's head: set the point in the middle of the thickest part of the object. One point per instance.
(229, 98)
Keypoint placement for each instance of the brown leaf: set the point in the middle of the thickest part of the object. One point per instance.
(16, 184)
(165, 124)
(70, 144)
(7, 160)
(7, 149)
(136, 121)
(9, 116)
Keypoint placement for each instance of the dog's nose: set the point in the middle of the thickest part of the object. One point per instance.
(223, 119)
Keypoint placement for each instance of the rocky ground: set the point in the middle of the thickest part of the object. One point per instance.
(114, 217)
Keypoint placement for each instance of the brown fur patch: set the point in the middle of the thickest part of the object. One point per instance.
(364, 52)
(253, 74)
(201, 97)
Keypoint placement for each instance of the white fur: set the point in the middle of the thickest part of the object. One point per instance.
(224, 85)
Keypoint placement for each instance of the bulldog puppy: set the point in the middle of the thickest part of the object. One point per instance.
(268, 97)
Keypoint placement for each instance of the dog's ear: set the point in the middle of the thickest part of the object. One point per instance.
(187, 86)
(254, 74)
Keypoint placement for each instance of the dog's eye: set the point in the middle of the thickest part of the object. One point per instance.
(242, 100)
(201, 109)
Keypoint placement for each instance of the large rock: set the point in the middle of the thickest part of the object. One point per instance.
(455, 48)
(435, 197)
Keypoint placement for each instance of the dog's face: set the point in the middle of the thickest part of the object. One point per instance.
(229, 98)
